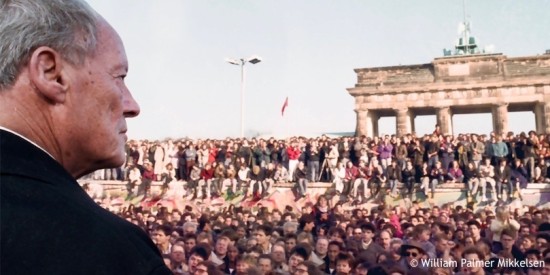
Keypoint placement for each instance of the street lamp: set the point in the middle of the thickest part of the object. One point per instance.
(241, 62)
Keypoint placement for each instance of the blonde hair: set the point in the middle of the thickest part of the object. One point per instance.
(501, 213)
(256, 169)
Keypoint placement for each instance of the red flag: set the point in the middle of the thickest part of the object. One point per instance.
(284, 106)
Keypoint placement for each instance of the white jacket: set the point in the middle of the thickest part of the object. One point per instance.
(497, 226)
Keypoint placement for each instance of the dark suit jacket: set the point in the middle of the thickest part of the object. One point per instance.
(49, 225)
(371, 253)
(504, 175)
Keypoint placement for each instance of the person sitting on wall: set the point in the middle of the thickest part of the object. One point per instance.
(472, 178)
(503, 176)
(437, 176)
(256, 182)
(300, 176)
(363, 177)
(408, 177)
(377, 179)
(205, 183)
(455, 175)
(351, 174)
(393, 173)
(487, 172)
(281, 174)
(518, 176)
(193, 182)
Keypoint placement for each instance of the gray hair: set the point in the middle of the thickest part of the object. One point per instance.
(290, 225)
(67, 26)
(396, 241)
(193, 225)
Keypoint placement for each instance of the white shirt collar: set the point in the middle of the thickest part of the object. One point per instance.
(366, 245)
(30, 141)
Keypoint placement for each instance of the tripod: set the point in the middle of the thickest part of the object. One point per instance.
(325, 168)
(322, 169)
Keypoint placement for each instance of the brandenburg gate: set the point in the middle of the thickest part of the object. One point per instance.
(450, 85)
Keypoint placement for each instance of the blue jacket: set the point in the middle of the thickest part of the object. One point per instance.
(499, 149)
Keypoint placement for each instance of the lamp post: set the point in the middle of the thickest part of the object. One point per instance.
(241, 62)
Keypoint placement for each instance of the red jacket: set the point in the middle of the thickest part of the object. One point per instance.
(148, 174)
(351, 173)
(293, 153)
(207, 174)
(213, 152)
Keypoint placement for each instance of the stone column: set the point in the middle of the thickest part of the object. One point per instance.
(361, 127)
(445, 119)
(542, 117)
(413, 126)
(500, 118)
(539, 117)
(403, 121)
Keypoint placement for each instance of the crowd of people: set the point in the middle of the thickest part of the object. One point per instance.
(323, 238)
(64, 107)
(359, 167)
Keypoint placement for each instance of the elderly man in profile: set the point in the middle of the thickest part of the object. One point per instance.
(64, 106)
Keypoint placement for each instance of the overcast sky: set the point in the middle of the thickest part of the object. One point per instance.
(309, 49)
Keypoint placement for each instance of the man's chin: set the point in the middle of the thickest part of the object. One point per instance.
(114, 161)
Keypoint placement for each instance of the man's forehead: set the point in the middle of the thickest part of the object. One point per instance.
(109, 42)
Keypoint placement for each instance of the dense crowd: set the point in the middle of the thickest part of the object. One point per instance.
(64, 107)
(323, 238)
(358, 166)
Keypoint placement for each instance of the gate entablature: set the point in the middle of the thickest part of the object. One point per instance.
(453, 82)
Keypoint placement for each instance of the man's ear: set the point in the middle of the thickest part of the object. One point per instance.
(47, 75)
